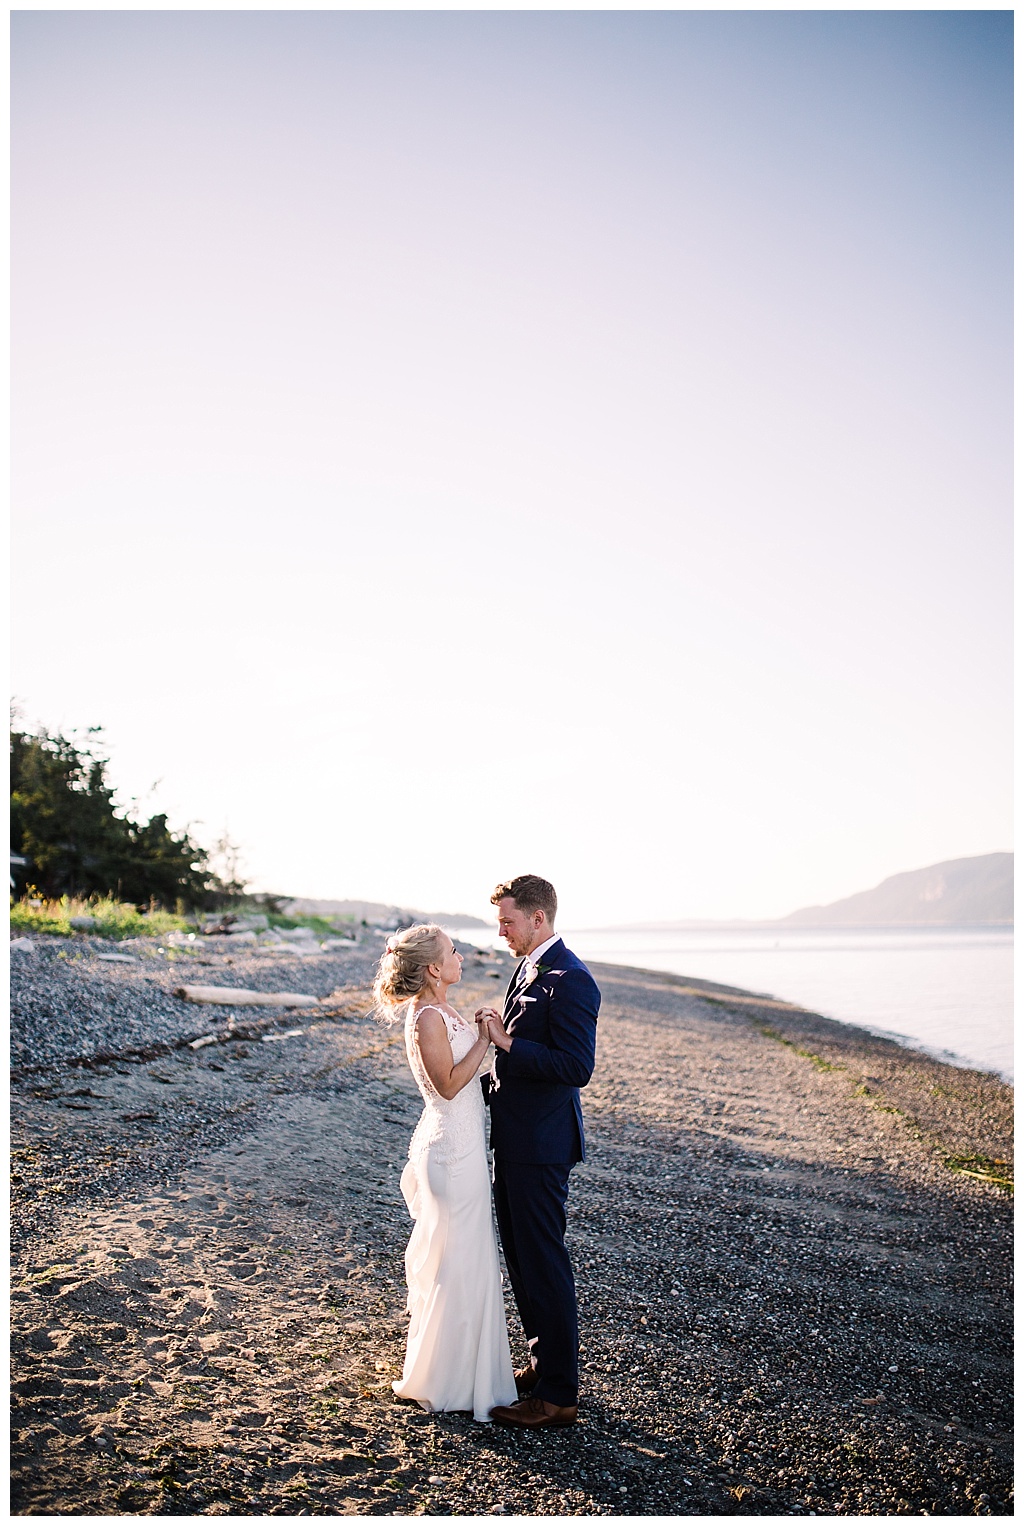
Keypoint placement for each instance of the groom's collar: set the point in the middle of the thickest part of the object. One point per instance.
(542, 949)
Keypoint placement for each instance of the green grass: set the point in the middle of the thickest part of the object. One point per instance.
(807, 1054)
(984, 1169)
(324, 927)
(880, 1107)
(998, 1173)
(114, 919)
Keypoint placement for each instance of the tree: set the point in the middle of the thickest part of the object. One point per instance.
(64, 821)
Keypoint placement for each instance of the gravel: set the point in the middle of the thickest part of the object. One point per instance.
(74, 1004)
(790, 1303)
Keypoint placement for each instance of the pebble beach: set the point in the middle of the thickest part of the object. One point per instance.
(792, 1242)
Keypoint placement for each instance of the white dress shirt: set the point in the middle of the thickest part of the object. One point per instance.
(527, 970)
(532, 960)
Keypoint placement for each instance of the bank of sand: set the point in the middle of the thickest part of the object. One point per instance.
(790, 1300)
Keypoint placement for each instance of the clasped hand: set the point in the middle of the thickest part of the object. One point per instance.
(489, 1025)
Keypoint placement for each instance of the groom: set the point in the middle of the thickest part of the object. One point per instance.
(544, 1043)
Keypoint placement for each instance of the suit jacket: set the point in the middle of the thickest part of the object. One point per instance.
(534, 1095)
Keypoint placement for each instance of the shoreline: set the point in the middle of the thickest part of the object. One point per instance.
(712, 990)
(793, 1293)
(975, 1116)
(939, 1019)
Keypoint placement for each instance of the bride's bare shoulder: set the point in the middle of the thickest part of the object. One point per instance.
(429, 1017)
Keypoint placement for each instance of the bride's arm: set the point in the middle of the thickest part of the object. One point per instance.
(436, 1054)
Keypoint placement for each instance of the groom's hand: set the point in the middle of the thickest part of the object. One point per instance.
(496, 1029)
(490, 1018)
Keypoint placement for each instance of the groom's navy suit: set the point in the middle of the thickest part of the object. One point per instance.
(537, 1138)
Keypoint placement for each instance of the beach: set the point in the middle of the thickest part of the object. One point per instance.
(792, 1242)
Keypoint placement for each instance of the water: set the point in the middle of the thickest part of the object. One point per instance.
(948, 991)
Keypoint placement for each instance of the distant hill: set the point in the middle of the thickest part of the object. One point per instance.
(958, 892)
(377, 911)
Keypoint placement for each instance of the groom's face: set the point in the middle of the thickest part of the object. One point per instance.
(519, 928)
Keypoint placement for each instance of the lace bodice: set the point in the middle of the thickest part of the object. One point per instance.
(454, 1125)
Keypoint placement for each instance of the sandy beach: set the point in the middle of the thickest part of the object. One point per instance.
(791, 1241)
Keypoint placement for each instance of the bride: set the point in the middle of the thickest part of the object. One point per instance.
(457, 1354)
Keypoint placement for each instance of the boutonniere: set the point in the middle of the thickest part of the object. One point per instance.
(533, 972)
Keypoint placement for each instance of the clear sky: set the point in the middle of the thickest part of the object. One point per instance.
(454, 444)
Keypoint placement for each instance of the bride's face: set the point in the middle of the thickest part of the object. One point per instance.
(449, 968)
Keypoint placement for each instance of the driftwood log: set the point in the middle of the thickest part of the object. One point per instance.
(233, 996)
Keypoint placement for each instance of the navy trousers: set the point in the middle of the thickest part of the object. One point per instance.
(530, 1205)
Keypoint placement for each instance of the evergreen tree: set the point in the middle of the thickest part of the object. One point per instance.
(63, 820)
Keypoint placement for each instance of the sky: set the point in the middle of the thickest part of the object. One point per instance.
(453, 445)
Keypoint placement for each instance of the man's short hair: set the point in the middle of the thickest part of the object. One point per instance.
(530, 894)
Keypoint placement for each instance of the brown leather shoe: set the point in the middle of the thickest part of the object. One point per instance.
(534, 1413)
(526, 1378)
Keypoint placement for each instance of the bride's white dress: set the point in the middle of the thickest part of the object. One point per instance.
(457, 1354)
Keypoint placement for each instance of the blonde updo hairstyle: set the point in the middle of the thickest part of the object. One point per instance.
(402, 971)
